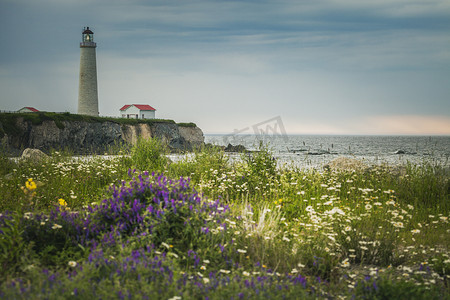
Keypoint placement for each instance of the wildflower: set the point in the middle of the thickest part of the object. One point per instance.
(72, 264)
(165, 245)
(348, 228)
(294, 271)
(241, 251)
(62, 202)
(368, 206)
(309, 208)
(205, 280)
(56, 226)
(245, 273)
(206, 261)
(398, 224)
(224, 271)
(345, 263)
(336, 210)
(30, 184)
(414, 231)
(286, 239)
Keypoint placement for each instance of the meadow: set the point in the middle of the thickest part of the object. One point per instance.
(139, 226)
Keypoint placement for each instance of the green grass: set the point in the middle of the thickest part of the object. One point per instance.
(369, 234)
(187, 124)
(8, 120)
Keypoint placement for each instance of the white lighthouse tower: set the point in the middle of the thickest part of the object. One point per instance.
(87, 89)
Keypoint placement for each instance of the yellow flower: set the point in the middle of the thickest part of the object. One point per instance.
(30, 184)
(62, 202)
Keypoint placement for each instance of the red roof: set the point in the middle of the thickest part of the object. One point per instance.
(139, 106)
(32, 109)
(125, 107)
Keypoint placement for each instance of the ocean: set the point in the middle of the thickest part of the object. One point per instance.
(313, 151)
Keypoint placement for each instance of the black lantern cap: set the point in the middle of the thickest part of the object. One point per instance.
(87, 31)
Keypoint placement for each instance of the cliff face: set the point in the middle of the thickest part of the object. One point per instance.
(95, 137)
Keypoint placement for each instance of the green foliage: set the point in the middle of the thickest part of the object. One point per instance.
(187, 124)
(202, 165)
(14, 250)
(6, 164)
(424, 186)
(8, 120)
(149, 155)
(441, 265)
(78, 182)
(337, 226)
(389, 288)
(261, 167)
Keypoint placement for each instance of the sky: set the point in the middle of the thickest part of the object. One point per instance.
(315, 66)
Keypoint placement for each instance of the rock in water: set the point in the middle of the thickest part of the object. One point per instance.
(345, 164)
(237, 148)
(34, 154)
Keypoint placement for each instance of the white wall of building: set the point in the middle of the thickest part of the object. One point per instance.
(133, 112)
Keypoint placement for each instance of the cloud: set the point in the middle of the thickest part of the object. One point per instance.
(323, 65)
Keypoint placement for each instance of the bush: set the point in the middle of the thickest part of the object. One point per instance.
(149, 155)
(261, 167)
(6, 165)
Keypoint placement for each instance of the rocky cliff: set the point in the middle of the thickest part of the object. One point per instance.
(94, 137)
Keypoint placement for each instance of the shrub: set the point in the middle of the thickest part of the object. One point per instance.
(150, 155)
(261, 167)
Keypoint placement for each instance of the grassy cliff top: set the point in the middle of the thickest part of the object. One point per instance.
(8, 120)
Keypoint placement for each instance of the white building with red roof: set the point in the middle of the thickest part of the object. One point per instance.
(27, 109)
(137, 111)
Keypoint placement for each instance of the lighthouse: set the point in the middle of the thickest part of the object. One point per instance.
(87, 89)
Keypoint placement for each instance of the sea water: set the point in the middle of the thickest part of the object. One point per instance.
(313, 151)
